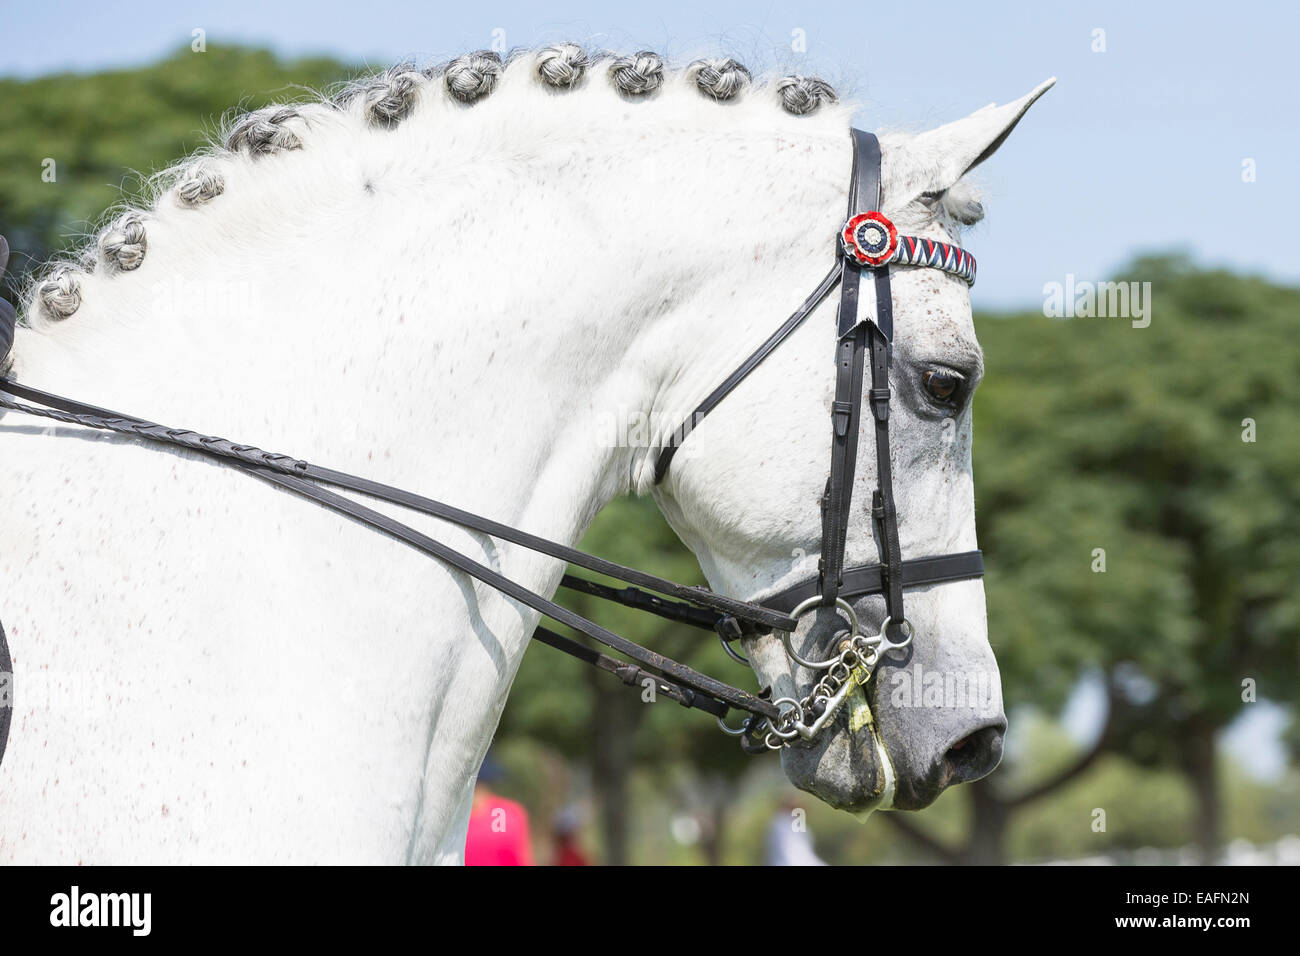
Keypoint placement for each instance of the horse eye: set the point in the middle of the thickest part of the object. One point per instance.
(943, 386)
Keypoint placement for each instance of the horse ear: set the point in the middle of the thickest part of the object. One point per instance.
(953, 150)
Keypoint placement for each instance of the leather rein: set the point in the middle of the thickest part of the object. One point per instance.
(870, 244)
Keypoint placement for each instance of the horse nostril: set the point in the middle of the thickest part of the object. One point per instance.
(975, 754)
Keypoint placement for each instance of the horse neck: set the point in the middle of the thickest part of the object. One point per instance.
(469, 306)
(477, 331)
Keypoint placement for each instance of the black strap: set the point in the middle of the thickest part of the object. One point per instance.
(864, 335)
(850, 349)
(760, 618)
(680, 673)
(884, 515)
(739, 375)
(756, 615)
(630, 674)
(6, 692)
(650, 603)
(301, 478)
(8, 319)
(866, 197)
(846, 410)
(869, 578)
(861, 337)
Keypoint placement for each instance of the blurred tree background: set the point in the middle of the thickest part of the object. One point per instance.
(106, 131)
(1097, 442)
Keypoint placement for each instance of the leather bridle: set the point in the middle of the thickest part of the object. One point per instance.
(865, 329)
(869, 242)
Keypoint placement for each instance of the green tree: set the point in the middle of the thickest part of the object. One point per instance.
(106, 132)
(1170, 453)
(589, 716)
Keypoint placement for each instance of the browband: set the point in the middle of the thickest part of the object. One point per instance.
(907, 251)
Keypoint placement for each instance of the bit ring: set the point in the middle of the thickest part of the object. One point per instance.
(841, 606)
(904, 628)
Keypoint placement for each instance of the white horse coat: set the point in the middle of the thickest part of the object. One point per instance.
(467, 303)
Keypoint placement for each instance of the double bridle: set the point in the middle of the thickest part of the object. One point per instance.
(869, 244)
(865, 331)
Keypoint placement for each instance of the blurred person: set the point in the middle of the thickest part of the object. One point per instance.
(498, 828)
(788, 841)
(565, 832)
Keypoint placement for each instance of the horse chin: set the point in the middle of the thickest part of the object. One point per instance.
(848, 769)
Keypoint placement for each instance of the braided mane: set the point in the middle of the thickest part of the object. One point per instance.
(384, 101)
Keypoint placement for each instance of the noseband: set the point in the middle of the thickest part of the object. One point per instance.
(867, 247)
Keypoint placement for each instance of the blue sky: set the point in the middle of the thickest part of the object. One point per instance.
(1138, 148)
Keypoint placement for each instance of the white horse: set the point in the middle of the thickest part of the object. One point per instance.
(451, 281)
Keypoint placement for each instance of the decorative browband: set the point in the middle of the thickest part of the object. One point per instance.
(871, 240)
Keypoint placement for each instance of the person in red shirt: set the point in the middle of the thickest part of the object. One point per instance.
(567, 850)
(498, 828)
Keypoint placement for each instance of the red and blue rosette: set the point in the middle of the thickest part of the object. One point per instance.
(870, 239)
